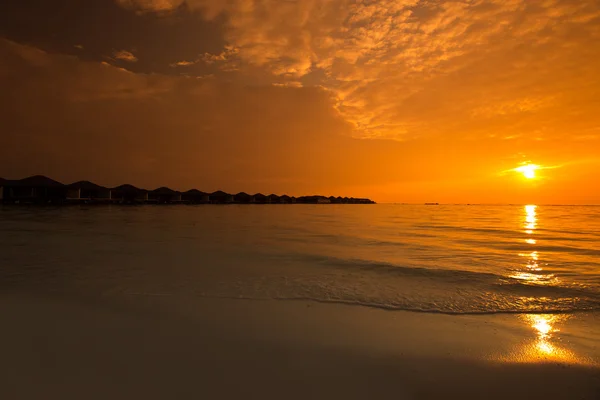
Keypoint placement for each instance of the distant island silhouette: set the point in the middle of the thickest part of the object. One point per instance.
(40, 189)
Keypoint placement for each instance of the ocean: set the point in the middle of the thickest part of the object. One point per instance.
(450, 259)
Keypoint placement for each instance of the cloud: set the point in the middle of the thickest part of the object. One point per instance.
(183, 63)
(125, 55)
(74, 80)
(117, 126)
(403, 68)
(289, 84)
(227, 60)
(159, 6)
(227, 54)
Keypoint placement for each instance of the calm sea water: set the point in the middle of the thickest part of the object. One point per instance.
(448, 259)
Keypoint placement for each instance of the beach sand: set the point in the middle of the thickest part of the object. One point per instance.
(160, 347)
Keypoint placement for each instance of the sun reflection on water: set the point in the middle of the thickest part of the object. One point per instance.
(545, 329)
(546, 345)
(530, 219)
(532, 272)
(543, 325)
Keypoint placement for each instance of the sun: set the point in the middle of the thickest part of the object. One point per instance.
(528, 170)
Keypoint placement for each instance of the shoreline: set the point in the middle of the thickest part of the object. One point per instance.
(167, 347)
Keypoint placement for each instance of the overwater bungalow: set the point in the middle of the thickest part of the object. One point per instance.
(2, 182)
(365, 201)
(129, 194)
(220, 197)
(195, 196)
(39, 189)
(85, 191)
(314, 200)
(273, 199)
(303, 200)
(243, 198)
(35, 189)
(260, 198)
(164, 195)
(285, 199)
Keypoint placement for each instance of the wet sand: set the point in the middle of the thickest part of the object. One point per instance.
(173, 348)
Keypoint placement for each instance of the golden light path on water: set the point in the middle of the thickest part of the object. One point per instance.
(530, 219)
(545, 346)
(532, 273)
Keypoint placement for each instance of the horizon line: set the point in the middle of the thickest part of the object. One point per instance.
(489, 204)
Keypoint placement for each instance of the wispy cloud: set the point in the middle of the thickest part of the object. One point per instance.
(400, 68)
(159, 6)
(125, 55)
(184, 63)
(226, 60)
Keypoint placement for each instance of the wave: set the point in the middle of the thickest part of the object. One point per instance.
(540, 248)
(504, 232)
(412, 288)
(397, 307)
(510, 243)
(449, 275)
(391, 307)
(454, 228)
(525, 289)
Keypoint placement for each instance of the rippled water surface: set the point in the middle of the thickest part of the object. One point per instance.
(449, 259)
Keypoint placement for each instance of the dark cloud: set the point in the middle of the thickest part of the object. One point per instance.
(101, 27)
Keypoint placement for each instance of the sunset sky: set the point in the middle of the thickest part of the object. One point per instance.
(396, 100)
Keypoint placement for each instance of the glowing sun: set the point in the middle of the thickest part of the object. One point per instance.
(528, 170)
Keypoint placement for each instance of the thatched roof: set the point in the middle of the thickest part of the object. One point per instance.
(164, 191)
(195, 192)
(219, 193)
(86, 185)
(37, 181)
(126, 186)
(129, 188)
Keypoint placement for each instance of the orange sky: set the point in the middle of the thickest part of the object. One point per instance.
(397, 100)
